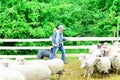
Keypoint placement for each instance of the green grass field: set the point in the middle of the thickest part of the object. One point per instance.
(74, 72)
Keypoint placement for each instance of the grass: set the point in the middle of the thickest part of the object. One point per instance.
(74, 72)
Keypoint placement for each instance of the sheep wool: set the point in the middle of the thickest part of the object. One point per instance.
(88, 66)
(56, 65)
(33, 71)
(103, 64)
(116, 62)
(9, 74)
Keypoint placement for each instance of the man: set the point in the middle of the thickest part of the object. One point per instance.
(57, 41)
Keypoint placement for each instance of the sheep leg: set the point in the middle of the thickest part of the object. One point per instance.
(116, 71)
(107, 73)
(59, 75)
(85, 73)
(88, 78)
(101, 75)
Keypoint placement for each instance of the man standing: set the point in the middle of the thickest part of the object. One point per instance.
(57, 41)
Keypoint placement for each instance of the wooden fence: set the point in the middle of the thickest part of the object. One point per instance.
(48, 47)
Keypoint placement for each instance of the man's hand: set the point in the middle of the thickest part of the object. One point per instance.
(56, 45)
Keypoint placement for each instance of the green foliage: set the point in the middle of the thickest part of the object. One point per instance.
(26, 19)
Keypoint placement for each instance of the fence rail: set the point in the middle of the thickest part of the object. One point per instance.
(70, 39)
(34, 56)
(49, 39)
(48, 47)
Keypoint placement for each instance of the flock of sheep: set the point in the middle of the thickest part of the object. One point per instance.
(21, 69)
(103, 58)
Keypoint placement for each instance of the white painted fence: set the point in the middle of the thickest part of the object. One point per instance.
(70, 39)
(49, 39)
(48, 47)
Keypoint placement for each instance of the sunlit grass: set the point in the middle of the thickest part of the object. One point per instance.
(74, 72)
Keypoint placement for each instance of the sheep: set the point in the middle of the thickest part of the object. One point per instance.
(85, 57)
(9, 74)
(82, 56)
(4, 62)
(116, 45)
(109, 52)
(97, 53)
(106, 49)
(103, 51)
(33, 71)
(92, 48)
(88, 66)
(28, 68)
(19, 61)
(103, 64)
(116, 63)
(45, 53)
(56, 65)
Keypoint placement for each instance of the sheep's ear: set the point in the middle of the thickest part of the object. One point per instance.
(97, 60)
(115, 56)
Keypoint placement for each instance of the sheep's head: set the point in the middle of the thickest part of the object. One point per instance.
(20, 60)
(97, 60)
(83, 57)
(99, 46)
(105, 51)
(115, 57)
(84, 64)
(5, 62)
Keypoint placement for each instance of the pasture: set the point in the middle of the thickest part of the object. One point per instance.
(74, 72)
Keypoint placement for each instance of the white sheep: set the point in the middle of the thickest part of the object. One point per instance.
(92, 48)
(111, 53)
(33, 71)
(88, 67)
(116, 43)
(116, 62)
(9, 74)
(56, 65)
(107, 49)
(116, 46)
(4, 62)
(97, 53)
(20, 60)
(84, 57)
(103, 64)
